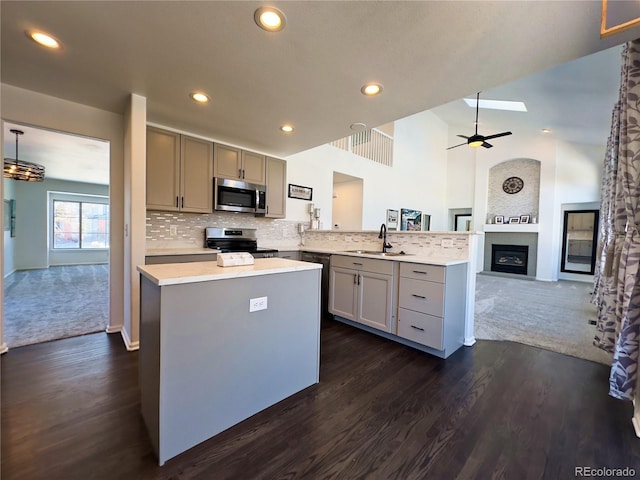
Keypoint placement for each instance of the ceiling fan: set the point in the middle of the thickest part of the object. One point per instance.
(476, 140)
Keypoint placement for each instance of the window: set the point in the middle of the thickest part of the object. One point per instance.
(82, 225)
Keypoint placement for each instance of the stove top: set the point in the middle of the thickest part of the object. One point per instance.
(234, 240)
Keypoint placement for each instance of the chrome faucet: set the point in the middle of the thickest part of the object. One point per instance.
(383, 236)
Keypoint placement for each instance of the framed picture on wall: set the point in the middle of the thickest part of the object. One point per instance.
(392, 219)
(410, 220)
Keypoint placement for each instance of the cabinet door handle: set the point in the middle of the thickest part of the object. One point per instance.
(182, 202)
(177, 200)
(417, 328)
(239, 173)
(418, 271)
(356, 263)
(243, 173)
(267, 209)
(418, 296)
(359, 277)
(355, 279)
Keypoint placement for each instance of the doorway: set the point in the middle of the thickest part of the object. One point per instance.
(55, 289)
(346, 213)
(579, 241)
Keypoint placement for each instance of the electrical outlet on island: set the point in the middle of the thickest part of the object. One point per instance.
(173, 230)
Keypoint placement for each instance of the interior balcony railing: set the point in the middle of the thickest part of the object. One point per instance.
(373, 144)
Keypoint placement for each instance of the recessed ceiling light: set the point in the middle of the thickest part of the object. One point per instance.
(199, 97)
(358, 126)
(43, 39)
(498, 105)
(546, 130)
(371, 89)
(270, 19)
(286, 128)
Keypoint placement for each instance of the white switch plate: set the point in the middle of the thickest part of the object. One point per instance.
(173, 230)
(447, 242)
(256, 304)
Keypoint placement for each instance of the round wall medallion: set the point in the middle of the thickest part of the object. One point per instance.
(512, 185)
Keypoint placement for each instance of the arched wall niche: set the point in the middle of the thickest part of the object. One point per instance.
(526, 201)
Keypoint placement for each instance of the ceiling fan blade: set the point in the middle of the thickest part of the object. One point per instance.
(503, 134)
(462, 136)
(459, 145)
(486, 145)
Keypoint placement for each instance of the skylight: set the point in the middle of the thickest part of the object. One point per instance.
(498, 105)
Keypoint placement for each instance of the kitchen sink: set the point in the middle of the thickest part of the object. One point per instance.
(375, 252)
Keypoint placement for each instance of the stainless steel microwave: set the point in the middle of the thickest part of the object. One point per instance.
(237, 196)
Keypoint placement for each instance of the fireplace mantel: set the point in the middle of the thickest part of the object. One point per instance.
(512, 228)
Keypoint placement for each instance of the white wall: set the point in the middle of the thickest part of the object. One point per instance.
(569, 173)
(347, 206)
(417, 179)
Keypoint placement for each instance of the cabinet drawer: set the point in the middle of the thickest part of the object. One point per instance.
(421, 296)
(365, 264)
(420, 271)
(421, 328)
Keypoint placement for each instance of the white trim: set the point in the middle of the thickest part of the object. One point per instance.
(512, 227)
(469, 341)
(113, 329)
(3, 348)
(131, 346)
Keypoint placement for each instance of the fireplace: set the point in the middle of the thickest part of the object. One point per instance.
(509, 258)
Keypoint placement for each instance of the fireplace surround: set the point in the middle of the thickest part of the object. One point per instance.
(528, 239)
(509, 258)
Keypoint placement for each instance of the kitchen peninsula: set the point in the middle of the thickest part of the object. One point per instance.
(219, 344)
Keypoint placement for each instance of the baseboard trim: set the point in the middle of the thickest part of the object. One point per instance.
(131, 346)
(469, 341)
(112, 329)
(3, 348)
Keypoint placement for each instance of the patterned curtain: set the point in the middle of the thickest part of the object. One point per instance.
(617, 280)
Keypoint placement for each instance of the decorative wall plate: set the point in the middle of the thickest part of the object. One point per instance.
(512, 185)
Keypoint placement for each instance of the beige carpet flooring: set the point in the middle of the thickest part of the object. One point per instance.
(55, 302)
(551, 315)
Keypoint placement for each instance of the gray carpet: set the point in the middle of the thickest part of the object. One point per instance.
(56, 302)
(550, 315)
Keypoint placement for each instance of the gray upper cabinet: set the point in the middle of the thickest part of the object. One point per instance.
(163, 170)
(196, 175)
(276, 188)
(238, 164)
(179, 172)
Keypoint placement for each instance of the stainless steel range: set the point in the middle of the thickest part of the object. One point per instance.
(236, 240)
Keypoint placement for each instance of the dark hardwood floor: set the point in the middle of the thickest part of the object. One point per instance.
(70, 410)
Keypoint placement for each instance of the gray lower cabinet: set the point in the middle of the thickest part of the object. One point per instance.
(431, 305)
(362, 290)
(420, 305)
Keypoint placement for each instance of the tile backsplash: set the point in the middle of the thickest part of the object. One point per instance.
(189, 229)
(283, 234)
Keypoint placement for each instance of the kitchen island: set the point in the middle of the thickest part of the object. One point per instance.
(219, 344)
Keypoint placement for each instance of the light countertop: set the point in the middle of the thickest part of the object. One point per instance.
(433, 259)
(411, 258)
(191, 272)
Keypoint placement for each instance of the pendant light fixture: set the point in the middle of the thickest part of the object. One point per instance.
(21, 170)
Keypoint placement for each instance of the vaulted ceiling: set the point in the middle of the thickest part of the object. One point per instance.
(426, 54)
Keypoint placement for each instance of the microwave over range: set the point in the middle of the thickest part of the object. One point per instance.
(237, 196)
